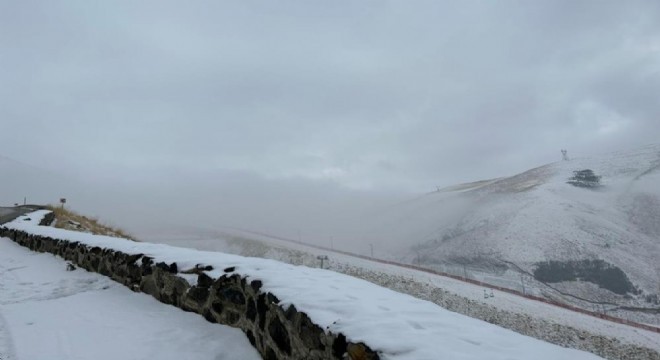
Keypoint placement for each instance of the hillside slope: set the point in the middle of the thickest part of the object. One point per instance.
(536, 216)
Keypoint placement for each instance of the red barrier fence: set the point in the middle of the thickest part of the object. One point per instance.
(479, 283)
(507, 290)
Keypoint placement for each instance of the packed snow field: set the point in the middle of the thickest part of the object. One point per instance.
(397, 325)
(47, 312)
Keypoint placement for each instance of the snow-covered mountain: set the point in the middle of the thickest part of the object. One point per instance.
(537, 216)
(486, 229)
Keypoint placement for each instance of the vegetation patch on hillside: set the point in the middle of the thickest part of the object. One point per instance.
(599, 272)
(71, 220)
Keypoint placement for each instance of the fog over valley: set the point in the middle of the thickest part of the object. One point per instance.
(316, 122)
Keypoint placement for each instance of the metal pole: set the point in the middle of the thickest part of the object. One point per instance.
(322, 258)
(522, 283)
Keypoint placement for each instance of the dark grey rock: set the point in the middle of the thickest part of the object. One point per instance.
(231, 300)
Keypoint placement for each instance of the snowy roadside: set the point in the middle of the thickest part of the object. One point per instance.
(421, 282)
(397, 325)
(532, 318)
(47, 312)
(642, 346)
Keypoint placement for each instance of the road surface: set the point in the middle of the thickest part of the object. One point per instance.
(8, 214)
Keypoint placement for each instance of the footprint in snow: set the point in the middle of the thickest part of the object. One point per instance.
(477, 343)
(416, 325)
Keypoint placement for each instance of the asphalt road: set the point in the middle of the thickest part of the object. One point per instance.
(8, 214)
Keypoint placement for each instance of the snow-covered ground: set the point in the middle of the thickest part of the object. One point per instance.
(536, 216)
(47, 312)
(416, 283)
(501, 300)
(397, 325)
(499, 230)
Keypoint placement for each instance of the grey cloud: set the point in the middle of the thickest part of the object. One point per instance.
(369, 95)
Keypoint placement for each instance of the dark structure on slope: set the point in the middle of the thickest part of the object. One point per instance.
(584, 178)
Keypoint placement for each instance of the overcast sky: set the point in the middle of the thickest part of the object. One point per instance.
(384, 95)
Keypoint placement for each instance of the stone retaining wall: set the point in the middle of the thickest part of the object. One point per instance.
(47, 219)
(276, 332)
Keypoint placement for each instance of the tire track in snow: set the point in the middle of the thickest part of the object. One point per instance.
(7, 351)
